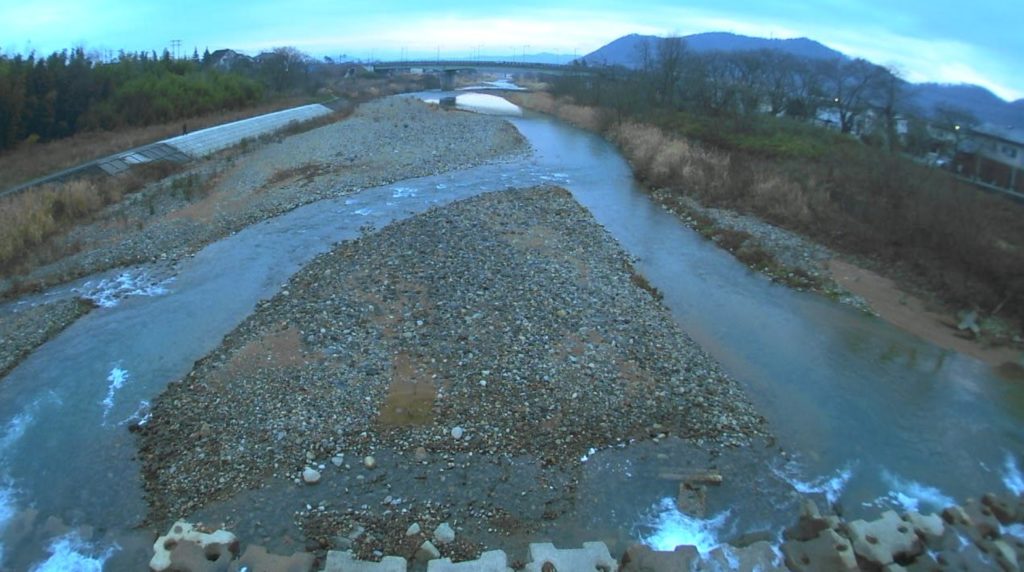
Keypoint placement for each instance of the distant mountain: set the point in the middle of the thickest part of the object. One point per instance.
(923, 98)
(984, 104)
(625, 51)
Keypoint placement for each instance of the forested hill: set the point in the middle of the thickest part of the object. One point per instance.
(626, 50)
(45, 98)
(926, 99)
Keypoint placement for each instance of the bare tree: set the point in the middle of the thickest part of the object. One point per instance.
(851, 85)
(671, 51)
(891, 97)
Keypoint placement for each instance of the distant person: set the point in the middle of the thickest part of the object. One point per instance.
(184, 128)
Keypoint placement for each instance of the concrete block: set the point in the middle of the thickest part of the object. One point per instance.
(641, 558)
(984, 519)
(427, 552)
(257, 559)
(810, 524)
(828, 551)
(1004, 508)
(183, 543)
(593, 556)
(338, 561)
(492, 561)
(757, 557)
(885, 540)
(927, 527)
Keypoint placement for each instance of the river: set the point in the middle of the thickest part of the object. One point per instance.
(869, 416)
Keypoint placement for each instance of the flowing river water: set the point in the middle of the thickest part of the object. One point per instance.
(871, 417)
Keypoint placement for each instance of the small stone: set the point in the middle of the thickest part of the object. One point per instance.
(457, 433)
(369, 462)
(311, 476)
(338, 460)
(420, 454)
(444, 534)
(413, 529)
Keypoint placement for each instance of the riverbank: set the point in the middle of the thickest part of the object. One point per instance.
(670, 165)
(503, 339)
(383, 141)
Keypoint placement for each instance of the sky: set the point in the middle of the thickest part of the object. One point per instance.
(944, 41)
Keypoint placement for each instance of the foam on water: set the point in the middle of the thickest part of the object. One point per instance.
(8, 507)
(115, 379)
(71, 553)
(363, 211)
(672, 528)
(911, 495)
(141, 415)
(109, 292)
(830, 486)
(16, 428)
(403, 192)
(1012, 477)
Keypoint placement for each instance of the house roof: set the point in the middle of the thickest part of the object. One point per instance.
(1009, 134)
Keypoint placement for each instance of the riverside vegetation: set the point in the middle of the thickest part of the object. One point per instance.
(859, 196)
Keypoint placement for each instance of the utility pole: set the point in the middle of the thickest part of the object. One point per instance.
(175, 44)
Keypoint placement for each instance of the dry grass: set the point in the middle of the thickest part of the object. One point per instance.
(664, 160)
(29, 161)
(582, 116)
(29, 219)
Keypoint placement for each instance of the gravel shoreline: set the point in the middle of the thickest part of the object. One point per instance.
(507, 325)
(383, 141)
(22, 329)
(794, 260)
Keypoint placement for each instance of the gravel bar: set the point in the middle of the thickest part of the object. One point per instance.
(22, 329)
(383, 141)
(506, 324)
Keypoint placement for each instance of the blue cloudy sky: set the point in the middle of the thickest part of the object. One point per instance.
(977, 41)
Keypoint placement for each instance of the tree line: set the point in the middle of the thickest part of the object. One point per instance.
(46, 98)
(748, 85)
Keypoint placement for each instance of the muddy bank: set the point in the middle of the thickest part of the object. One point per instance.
(915, 315)
(508, 329)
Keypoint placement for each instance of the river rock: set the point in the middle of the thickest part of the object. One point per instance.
(413, 529)
(444, 533)
(311, 476)
(369, 462)
(457, 433)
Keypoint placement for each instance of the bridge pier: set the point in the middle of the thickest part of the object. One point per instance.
(448, 80)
